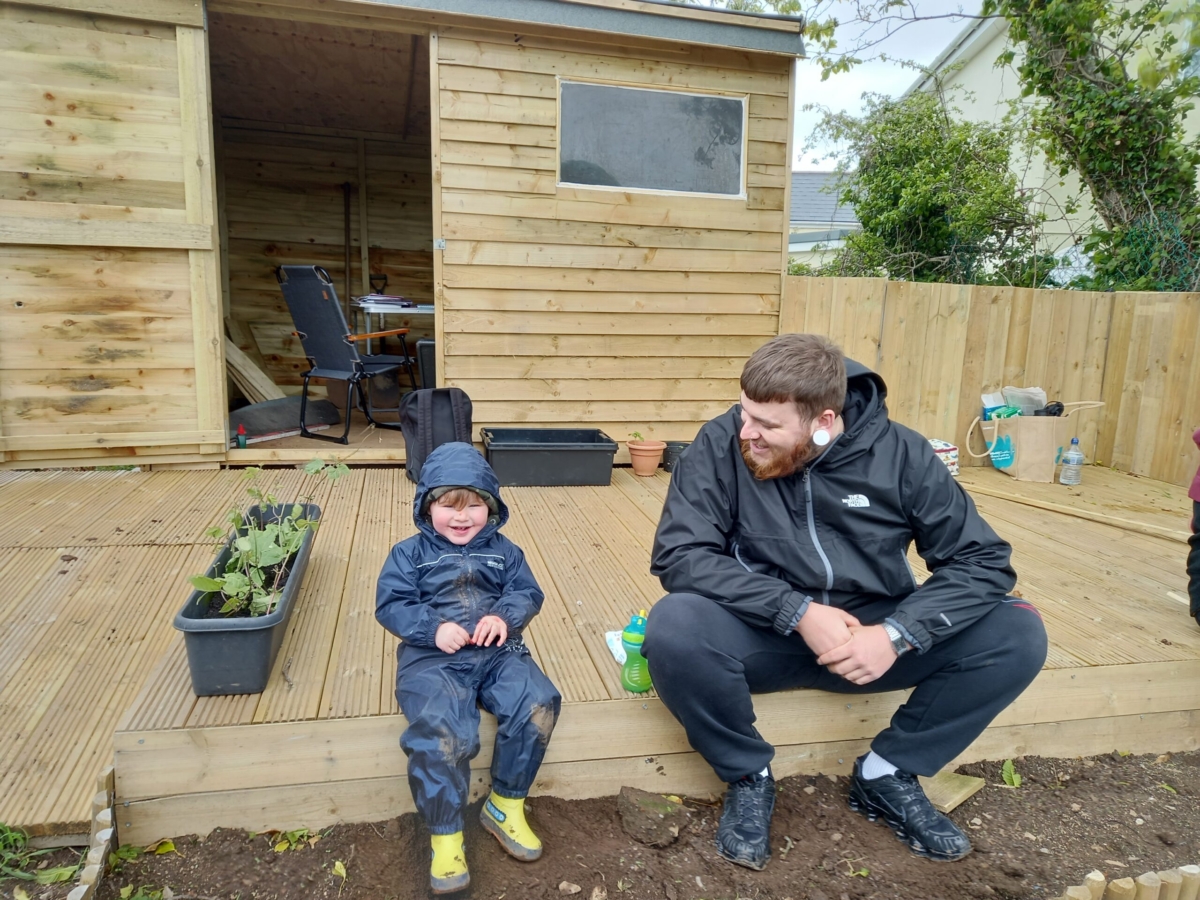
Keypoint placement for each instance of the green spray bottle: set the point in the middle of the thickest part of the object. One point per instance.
(635, 675)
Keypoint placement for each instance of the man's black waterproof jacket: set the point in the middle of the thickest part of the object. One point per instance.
(836, 532)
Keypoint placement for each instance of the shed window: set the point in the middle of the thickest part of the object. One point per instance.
(639, 139)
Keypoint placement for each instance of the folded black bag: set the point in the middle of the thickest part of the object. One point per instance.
(430, 418)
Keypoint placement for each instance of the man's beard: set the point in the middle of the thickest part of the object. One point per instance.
(780, 464)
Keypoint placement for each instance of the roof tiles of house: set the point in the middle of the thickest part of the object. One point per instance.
(813, 205)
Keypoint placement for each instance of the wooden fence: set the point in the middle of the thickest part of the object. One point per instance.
(939, 346)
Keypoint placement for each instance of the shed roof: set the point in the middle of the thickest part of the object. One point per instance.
(656, 19)
(814, 202)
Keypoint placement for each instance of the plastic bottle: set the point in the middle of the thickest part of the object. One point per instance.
(1072, 464)
(635, 675)
(241, 437)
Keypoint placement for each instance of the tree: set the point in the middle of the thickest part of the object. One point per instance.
(1122, 132)
(1110, 81)
(934, 194)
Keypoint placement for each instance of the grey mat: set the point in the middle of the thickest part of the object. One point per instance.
(281, 418)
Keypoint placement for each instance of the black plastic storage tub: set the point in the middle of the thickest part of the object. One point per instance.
(235, 655)
(549, 457)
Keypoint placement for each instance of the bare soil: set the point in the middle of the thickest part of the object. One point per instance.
(1124, 815)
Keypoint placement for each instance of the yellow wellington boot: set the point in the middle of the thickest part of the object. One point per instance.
(448, 867)
(504, 817)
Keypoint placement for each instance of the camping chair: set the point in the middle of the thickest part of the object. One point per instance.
(331, 349)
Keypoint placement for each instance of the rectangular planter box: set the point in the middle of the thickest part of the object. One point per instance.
(234, 656)
(549, 457)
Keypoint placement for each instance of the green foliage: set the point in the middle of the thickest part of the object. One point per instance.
(257, 569)
(935, 196)
(128, 853)
(1121, 132)
(820, 27)
(1010, 774)
(56, 875)
(15, 855)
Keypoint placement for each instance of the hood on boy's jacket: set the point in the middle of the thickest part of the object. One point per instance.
(452, 465)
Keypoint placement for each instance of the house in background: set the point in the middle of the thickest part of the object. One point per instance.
(984, 92)
(818, 223)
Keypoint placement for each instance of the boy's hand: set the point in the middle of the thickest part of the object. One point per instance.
(451, 637)
(490, 627)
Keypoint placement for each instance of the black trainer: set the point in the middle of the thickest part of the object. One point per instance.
(901, 802)
(744, 835)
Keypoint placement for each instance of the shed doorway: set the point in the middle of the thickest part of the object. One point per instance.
(323, 157)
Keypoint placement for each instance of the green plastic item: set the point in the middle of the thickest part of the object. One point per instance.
(1006, 412)
(635, 674)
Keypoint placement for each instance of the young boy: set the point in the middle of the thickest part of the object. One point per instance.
(459, 594)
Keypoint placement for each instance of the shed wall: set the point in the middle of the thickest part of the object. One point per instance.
(595, 307)
(109, 327)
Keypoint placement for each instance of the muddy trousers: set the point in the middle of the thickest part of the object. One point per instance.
(440, 695)
(706, 663)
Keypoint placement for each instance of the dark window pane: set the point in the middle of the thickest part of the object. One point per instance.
(657, 140)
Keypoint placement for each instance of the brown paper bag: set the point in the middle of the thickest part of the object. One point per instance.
(1029, 448)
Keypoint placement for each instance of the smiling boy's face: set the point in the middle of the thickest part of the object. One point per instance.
(459, 526)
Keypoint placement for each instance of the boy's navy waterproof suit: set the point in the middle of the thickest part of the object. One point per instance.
(427, 580)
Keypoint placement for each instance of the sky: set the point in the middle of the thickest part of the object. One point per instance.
(920, 41)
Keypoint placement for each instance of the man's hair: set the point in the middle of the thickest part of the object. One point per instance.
(459, 498)
(808, 369)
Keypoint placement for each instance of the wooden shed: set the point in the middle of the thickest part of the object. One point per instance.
(588, 198)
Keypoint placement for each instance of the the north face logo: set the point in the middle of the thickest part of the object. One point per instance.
(858, 501)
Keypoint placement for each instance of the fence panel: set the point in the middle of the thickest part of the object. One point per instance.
(939, 347)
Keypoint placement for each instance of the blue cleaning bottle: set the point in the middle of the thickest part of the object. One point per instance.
(635, 674)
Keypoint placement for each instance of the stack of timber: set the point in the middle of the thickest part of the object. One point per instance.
(600, 308)
(249, 378)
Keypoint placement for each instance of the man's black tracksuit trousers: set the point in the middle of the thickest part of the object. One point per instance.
(706, 663)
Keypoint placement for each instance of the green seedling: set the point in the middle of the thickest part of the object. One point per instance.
(15, 855)
(122, 855)
(252, 583)
(1010, 774)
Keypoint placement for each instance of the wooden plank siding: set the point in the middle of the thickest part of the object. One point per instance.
(109, 301)
(599, 308)
(940, 346)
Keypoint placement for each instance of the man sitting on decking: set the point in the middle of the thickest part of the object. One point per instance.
(783, 547)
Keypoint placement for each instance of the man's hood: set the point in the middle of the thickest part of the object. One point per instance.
(864, 414)
(458, 464)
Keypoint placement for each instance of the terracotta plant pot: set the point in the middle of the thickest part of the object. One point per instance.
(645, 456)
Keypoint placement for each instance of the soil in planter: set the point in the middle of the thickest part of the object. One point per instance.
(1124, 815)
(216, 601)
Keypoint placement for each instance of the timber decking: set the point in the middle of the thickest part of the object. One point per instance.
(96, 565)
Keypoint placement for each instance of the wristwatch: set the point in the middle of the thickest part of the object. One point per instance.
(899, 644)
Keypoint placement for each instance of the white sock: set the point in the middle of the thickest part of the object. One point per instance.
(875, 766)
(765, 772)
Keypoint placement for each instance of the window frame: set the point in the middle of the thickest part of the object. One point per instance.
(743, 173)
